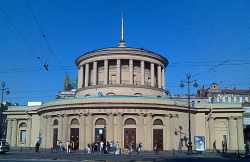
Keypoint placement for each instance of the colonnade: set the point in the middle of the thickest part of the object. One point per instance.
(84, 73)
(114, 128)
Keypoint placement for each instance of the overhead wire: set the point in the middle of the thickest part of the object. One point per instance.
(45, 38)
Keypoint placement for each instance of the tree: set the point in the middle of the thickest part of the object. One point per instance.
(67, 84)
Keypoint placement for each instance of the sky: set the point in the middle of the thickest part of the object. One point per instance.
(209, 39)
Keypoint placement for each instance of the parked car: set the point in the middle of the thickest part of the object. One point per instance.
(4, 146)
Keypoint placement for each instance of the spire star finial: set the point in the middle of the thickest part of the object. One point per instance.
(122, 41)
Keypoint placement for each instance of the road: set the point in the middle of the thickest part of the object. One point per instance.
(146, 157)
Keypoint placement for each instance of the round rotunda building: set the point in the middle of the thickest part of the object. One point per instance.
(121, 98)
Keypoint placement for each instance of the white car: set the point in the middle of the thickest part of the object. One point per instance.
(4, 146)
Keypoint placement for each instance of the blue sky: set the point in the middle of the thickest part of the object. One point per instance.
(209, 38)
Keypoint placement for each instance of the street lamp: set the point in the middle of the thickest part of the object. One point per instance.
(4, 91)
(187, 83)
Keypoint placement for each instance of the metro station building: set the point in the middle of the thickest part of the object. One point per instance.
(121, 97)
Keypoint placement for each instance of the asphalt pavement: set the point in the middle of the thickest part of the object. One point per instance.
(98, 157)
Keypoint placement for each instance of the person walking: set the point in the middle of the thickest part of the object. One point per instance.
(37, 146)
(68, 147)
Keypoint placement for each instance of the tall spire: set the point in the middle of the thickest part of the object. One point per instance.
(122, 41)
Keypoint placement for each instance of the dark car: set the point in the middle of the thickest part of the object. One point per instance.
(4, 146)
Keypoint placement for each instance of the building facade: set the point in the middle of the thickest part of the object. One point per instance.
(121, 97)
(239, 96)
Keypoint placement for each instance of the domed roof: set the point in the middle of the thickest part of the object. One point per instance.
(122, 50)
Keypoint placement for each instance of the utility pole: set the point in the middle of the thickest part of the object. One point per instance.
(6, 91)
(187, 83)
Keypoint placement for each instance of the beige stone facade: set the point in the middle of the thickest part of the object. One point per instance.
(121, 97)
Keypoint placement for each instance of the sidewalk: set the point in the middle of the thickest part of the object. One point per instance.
(145, 156)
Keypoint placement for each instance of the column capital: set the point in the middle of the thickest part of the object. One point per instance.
(239, 117)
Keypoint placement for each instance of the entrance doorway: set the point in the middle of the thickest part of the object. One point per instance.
(158, 138)
(74, 134)
(100, 130)
(100, 135)
(55, 137)
(129, 137)
(74, 138)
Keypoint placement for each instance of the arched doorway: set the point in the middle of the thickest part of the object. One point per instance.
(55, 133)
(74, 133)
(22, 133)
(130, 133)
(158, 134)
(221, 132)
(100, 130)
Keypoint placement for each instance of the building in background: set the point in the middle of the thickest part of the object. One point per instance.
(215, 94)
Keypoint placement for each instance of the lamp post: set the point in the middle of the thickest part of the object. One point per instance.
(6, 91)
(187, 83)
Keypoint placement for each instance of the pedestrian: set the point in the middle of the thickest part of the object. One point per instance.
(223, 146)
(37, 146)
(101, 146)
(214, 146)
(68, 147)
(247, 148)
(156, 148)
(117, 148)
(89, 149)
(61, 146)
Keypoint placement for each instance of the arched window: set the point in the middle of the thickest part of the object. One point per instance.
(22, 133)
(158, 122)
(100, 121)
(110, 94)
(138, 94)
(23, 125)
(130, 121)
(55, 122)
(74, 121)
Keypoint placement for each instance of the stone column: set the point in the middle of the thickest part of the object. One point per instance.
(118, 128)
(152, 74)
(211, 131)
(131, 72)
(14, 133)
(148, 132)
(142, 73)
(82, 132)
(86, 75)
(41, 130)
(106, 74)
(80, 77)
(140, 129)
(166, 134)
(29, 127)
(94, 72)
(60, 131)
(66, 127)
(232, 137)
(163, 77)
(173, 126)
(240, 136)
(45, 139)
(9, 127)
(159, 76)
(110, 128)
(89, 129)
(49, 130)
(118, 71)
